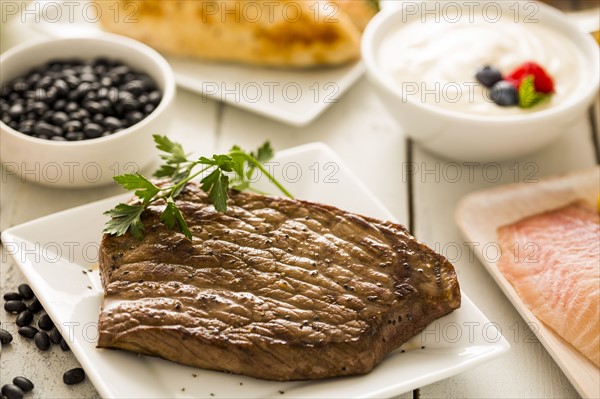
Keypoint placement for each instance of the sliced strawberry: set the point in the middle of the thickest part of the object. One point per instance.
(543, 81)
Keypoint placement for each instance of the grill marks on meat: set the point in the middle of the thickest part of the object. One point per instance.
(276, 288)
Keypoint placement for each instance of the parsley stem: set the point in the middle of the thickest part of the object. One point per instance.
(262, 169)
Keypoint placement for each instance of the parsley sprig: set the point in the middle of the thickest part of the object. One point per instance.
(234, 170)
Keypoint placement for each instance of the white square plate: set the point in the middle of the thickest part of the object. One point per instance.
(294, 97)
(54, 251)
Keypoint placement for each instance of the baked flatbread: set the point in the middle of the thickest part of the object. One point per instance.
(278, 33)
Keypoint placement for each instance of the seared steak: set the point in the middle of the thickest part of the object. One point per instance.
(275, 288)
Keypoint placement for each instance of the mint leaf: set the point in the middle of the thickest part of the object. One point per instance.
(125, 217)
(172, 218)
(145, 189)
(528, 96)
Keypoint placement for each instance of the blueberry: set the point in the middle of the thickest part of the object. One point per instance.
(488, 76)
(504, 94)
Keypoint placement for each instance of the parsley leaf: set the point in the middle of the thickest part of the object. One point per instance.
(145, 189)
(125, 217)
(221, 172)
(171, 216)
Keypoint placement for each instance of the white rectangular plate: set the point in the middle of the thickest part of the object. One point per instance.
(479, 216)
(294, 97)
(53, 251)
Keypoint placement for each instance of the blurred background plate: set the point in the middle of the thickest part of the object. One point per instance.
(295, 97)
(584, 13)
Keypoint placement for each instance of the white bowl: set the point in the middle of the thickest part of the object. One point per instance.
(470, 137)
(92, 162)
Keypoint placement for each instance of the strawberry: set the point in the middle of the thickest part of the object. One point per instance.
(543, 81)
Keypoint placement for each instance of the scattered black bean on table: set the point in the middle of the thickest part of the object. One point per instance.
(5, 337)
(55, 336)
(14, 307)
(45, 322)
(74, 376)
(72, 100)
(27, 331)
(11, 391)
(63, 345)
(42, 340)
(24, 383)
(25, 291)
(34, 305)
(24, 318)
(13, 296)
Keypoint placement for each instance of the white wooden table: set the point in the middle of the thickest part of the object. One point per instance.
(367, 139)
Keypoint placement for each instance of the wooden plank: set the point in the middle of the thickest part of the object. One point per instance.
(357, 128)
(527, 370)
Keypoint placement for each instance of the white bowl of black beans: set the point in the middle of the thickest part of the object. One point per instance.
(75, 112)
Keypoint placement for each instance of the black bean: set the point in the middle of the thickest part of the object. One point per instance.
(20, 86)
(60, 118)
(106, 81)
(112, 123)
(74, 376)
(136, 87)
(24, 318)
(25, 291)
(93, 107)
(44, 82)
(24, 383)
(34, 305)
(72, 80)
(43, 128)
(41, 94)
(58, 138)
(51, 95)
(80, 114)
(72, 126)
(87, 76)
(12, 296)
(63, 345)
(16, 111)
(75, 136)
(14, 307)
(47, 116)
(55, 336)
(45, 322)
(92, 130)
(98, 118)
(148, 108)
(12, 391)
(5, 337)
(71, 106)
(120, 70)
(62, 87)
(38, 107)
(134, 117)
(27, 331)
(59, 104)
(42, 340)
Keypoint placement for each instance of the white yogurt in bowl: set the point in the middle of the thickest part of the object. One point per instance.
(436, 62)
(422, 60)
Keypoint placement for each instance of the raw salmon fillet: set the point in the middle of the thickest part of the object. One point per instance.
(553, 262)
